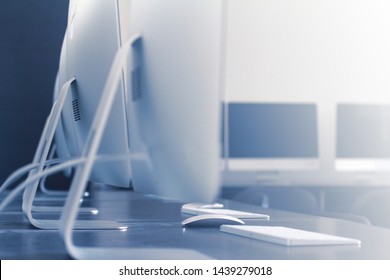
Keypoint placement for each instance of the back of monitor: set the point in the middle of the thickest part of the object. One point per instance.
(175, 93)
(90, 44)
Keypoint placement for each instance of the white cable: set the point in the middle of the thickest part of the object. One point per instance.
(61, 166)
(18, 173)
(11, 196)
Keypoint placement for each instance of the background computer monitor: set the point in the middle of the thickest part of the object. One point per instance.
(322, 53)
(363, 137)
(263, 140)
(175, 95)
(90, 44)
(266, 134)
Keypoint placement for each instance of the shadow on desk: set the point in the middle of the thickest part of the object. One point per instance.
(375, 206)
(371, 208)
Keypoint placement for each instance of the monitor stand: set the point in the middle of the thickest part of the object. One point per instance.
(79, 182)
(20, 172)
(54, 195)
(40, 158)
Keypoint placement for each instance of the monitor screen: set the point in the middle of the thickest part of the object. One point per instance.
(272, 136)
(272, 130)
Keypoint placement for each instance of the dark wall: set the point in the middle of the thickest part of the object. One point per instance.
(31, 33)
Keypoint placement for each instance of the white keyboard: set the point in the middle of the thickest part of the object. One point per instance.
(198, 209)
(288, 236)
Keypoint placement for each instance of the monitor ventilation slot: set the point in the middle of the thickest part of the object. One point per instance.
(76, 110)
(136, 85)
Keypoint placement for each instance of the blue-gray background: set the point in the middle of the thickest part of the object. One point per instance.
(31, 33)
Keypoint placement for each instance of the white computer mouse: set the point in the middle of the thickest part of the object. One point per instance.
(211, 220)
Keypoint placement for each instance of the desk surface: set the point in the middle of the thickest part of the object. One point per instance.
(155, 222)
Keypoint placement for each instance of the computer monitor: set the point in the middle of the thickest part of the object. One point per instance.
(95, 32)
(363, 137)
(266, 134)
(91, 41)
(264, 142)
(90, 44)
(173, 92)
(175, 95)
(324, 54)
